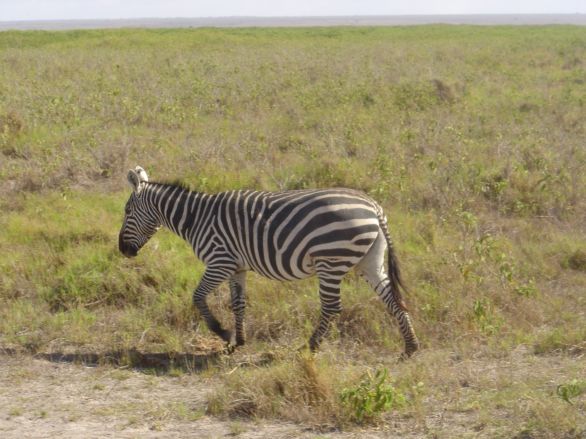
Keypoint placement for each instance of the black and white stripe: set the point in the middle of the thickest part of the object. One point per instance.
(281, 235)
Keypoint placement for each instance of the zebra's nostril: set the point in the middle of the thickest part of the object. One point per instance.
(130, 251)
(126, 249)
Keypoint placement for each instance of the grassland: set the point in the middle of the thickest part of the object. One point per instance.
(472, 138)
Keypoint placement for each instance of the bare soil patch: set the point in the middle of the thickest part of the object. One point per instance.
(46, 398)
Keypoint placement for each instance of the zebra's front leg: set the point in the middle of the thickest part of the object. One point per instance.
(238, 300)
(211, 279)
(331, 306)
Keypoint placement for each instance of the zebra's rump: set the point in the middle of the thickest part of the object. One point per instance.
(282, 235)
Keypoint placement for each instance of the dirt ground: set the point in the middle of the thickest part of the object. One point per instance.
(42, 398)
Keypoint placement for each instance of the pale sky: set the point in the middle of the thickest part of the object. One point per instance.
(98, 9)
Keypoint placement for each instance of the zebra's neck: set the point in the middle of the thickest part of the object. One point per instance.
(179, 209)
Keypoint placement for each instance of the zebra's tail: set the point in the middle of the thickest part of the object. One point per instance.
(393, 268)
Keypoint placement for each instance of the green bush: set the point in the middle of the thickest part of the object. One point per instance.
(373, 396)
(571, 390)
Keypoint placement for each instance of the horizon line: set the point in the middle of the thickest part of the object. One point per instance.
(576, 18)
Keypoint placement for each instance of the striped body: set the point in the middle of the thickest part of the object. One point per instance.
(280, 235)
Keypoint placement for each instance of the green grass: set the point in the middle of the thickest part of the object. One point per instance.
(472, 138)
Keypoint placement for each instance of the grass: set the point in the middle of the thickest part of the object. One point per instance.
(470, 137)
(571, 390)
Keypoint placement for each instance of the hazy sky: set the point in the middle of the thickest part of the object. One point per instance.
(80, 9)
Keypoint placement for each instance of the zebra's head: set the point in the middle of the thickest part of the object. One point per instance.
(140, 220)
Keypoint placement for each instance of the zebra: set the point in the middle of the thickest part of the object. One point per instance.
(285, 236)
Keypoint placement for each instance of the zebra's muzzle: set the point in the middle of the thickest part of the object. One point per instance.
(126, 249)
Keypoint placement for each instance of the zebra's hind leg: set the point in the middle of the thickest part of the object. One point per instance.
(238, 300)
(330, 278)
(382, 285)
(372, 269)
(211, 279)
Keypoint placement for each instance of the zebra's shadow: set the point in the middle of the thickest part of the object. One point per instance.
(147, 362)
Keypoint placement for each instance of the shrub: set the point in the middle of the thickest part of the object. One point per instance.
(571, 390)
(372, 396)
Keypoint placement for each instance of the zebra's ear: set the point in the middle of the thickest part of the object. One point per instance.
(134, 180)
(142, 175)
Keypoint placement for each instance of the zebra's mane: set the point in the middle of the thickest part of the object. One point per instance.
(174, 183)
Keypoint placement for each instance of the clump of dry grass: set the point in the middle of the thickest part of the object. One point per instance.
(576, 260)
(296, 388)
(11, 123)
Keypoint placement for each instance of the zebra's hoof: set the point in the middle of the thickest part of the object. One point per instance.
(229, 349)
(314, 345)
(407, 354)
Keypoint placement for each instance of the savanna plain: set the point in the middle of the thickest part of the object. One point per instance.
(472, 139)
